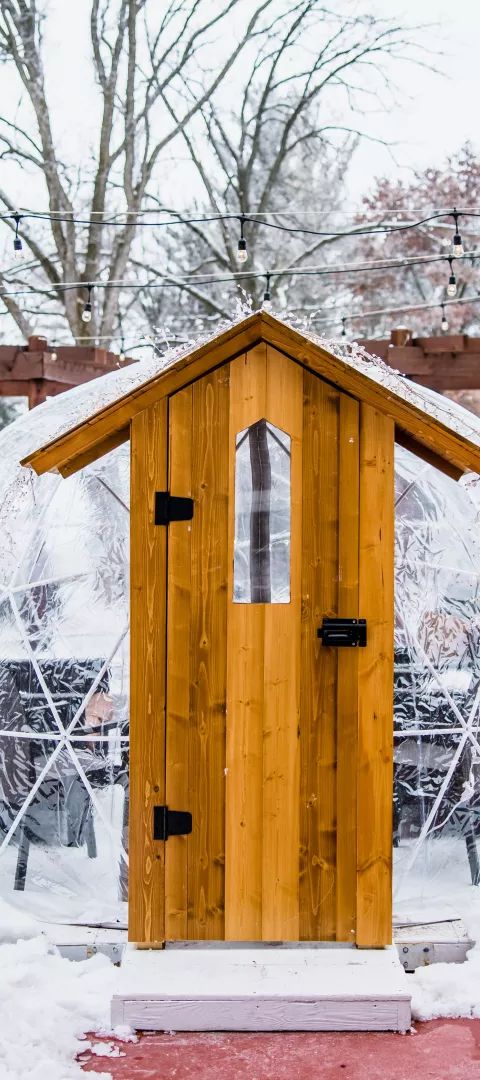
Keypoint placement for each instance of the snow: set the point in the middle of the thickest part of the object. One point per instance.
(452, 989)
(447, 989)
(16, 924)
(436, 888)
(47, 1004)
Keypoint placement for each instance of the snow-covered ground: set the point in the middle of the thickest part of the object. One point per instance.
(435, 887)
(47, 1003)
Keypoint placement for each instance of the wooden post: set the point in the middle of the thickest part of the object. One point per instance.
(375, 681)
(148, 644)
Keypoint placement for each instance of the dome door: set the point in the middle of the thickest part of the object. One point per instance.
(272, 763)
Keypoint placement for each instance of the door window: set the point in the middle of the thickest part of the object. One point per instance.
(262, 515)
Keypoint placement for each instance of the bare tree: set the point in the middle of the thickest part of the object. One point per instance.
(153, 69)
(281, 158)
(413, 294)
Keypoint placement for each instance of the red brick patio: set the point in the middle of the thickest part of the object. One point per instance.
(440, 1050)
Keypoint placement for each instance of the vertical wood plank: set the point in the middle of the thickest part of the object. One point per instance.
(245, 692)
(208, 651)
(147, 707)
(347, 687)
(319, 665)
(281, 722)
(263, 689)
(178, 787)
(375, 735)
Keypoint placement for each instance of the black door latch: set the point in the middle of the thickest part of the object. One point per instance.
(170, 823)
(343, 632)
(172, 508)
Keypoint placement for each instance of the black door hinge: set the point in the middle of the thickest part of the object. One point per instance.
(170, 823)
(343, 632)
(172, 508)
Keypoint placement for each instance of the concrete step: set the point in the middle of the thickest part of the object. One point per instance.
(262, 989)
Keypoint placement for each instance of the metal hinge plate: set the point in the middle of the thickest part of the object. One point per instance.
(170, 823)
(172, 508)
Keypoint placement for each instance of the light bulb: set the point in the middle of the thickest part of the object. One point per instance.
(87, 312)
(457, 246)
(242, 253)
(444, 324)
(452, 285)
(122, 357)
(17, 242)
(53, 357)
(267, 302)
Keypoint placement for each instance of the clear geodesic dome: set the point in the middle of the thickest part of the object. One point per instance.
(437, 692)
(64, 695)
(64, 613)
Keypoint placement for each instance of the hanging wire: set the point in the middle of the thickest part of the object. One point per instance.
(179, 220)
(198, 279)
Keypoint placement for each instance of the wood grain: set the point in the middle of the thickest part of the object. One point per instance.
(178, 786)
(88, 437)
(245, 691)
(280, 748)
(375, 735)
(263, 690)
(347, 684)
(147, 713)
(281, 717)
(361, 1012)
(319, 665)
(208, 656)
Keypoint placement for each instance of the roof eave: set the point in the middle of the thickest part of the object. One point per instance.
(110, 426)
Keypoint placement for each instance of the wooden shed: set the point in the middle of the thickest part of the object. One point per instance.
(262, 617)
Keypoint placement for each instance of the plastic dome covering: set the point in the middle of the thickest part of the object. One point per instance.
(64, 670)
(64, 611)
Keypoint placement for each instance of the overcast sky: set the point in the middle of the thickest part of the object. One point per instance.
(435, 114)
(442, 111)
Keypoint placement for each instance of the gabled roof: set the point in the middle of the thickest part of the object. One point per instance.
(426, 423)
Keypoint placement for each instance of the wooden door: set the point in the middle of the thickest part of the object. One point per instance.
(279, 747)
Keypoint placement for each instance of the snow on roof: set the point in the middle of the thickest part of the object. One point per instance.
(58, 415)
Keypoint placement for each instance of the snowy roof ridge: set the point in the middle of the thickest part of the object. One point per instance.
(59, 415)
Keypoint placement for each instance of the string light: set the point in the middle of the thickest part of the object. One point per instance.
(444, 323)
(242, 253)
(452, 282)
(17, 241)
(122, 355)
(254, 219)
(457, 246)
(344, 326)
(267, 296)
(87, 310)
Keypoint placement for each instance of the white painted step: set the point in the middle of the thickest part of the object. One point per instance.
(262, 989)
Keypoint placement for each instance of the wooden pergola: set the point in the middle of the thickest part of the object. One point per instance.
(38, 370)
(444, 363)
